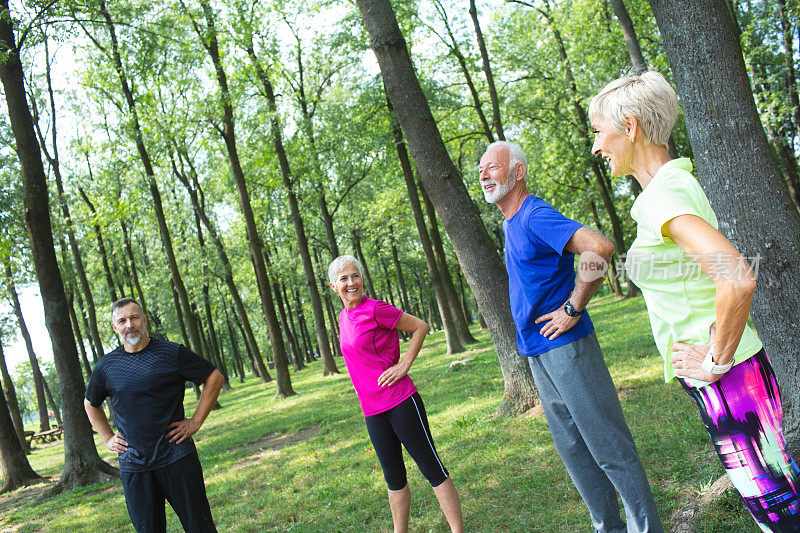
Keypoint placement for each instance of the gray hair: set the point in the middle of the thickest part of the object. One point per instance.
(122, 302)
(647, 96)
(339, 263)
(515, 153)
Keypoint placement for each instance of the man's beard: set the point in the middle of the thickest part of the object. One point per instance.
(133, 339)
(500, 191)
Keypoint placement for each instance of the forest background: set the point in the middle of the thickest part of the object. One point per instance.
(210, 159)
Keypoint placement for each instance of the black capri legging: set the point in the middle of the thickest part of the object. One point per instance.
(405, 423)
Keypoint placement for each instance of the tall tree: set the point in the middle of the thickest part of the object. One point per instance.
(17, 471)
(739, 175)
(198, 203)
(208, 37)
(328, 363)
(82, 464)
(449, 195)
(12, 401)
(115, 56)
(497, 121)
(451, 338)
(38, 379)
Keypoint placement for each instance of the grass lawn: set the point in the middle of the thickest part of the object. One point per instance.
(306, 463)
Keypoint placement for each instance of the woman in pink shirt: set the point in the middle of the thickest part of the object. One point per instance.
(392, 407)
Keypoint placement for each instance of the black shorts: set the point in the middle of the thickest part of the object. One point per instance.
(181, 484)
(405, 423)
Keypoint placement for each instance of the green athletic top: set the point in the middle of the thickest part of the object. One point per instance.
(679, 295)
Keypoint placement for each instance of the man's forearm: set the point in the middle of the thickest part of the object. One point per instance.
(590, 277)
(208, 396)
(99, 421)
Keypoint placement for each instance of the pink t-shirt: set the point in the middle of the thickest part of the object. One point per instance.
(370, 345)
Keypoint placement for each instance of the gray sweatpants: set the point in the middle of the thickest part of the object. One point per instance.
(592, 438)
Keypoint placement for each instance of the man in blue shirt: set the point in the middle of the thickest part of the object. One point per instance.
(556, 335)
(145, 380)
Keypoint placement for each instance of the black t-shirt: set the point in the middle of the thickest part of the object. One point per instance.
(146, 389)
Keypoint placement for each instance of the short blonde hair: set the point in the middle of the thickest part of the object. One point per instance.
(339, 263)
(647, 96)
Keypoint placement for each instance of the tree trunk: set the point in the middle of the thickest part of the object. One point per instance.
(788, 59)
(308, 129)
(451, 337)
(51, 401)
(296, 355)
(212, 331)
(332, 317)
(153, 322)
(310, 354)
(238, 304)
(38, 379)
(228, 132)
(462, 330)
(112, 291)
(631, 40)
(739, 175)
(583, 127)
(370, 286)
(53, 161)
(96, 354)
(73, 318)
(163, 229)
(82, 464)
(487, 70)
(17, 471)
(328, 363)
(447, 191)
(12, 402)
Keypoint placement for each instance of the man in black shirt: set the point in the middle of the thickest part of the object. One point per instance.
(145, 379)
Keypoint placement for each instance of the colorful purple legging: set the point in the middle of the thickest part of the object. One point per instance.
(742, 413)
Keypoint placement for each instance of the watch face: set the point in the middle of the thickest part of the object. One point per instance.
(569, 309)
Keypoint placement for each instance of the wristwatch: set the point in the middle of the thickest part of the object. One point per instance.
(570, 309)
(713, 368)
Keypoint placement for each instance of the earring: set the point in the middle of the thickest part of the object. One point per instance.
(631, 139)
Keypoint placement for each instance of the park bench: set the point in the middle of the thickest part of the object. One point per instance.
(46, 436)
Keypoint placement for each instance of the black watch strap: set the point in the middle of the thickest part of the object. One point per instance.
(570, 309)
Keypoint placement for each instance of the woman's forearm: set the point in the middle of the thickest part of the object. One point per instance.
(415, 345)
(733, 302)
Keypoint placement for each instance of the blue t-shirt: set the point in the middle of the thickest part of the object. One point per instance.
(540, 275)
(146, 389)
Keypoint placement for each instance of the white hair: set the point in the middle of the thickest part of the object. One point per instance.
(339, 263)
(515, 154)
(647, 96)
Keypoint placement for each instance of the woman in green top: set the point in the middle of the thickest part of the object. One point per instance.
(698, 289)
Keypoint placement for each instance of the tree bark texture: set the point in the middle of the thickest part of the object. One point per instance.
(209, 40)
(497, 121)
(450, 335)
(328, 363)
(73, 318)
(82, 464)
(12, 401)
(462, 329)
(447, 191)
(38, 379)
(238, 304)
(17, 471)
(193, 331)
(739, 175)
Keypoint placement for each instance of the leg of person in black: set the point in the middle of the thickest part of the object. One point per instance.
(410, 423)
(145, 501)
(183, 486)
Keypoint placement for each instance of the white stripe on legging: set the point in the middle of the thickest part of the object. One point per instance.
(427, 436)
